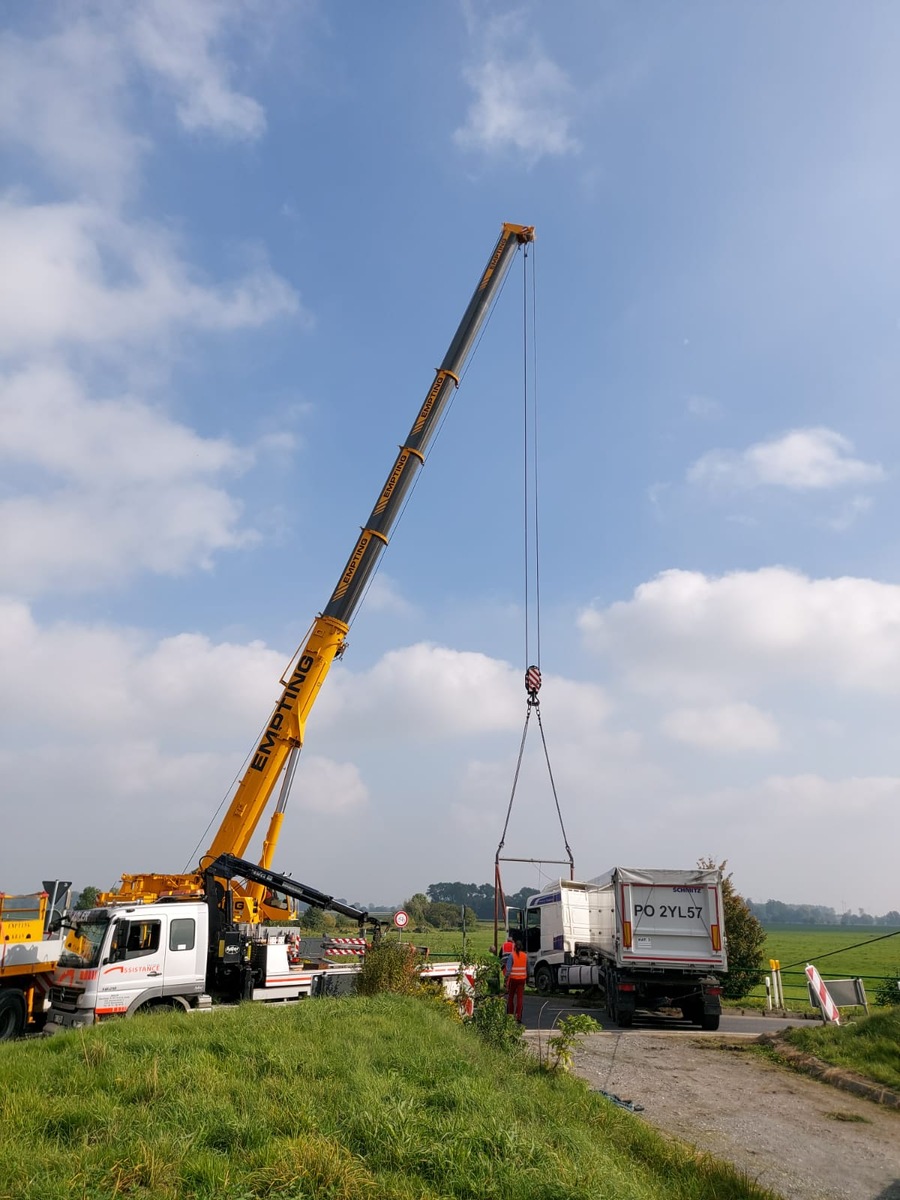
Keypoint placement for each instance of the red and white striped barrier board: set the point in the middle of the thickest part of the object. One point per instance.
(466, 998)
(342, 947)
(828, 1006)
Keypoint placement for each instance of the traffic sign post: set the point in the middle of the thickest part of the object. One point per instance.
(401, 920)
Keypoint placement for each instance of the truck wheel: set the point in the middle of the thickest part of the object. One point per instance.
(709, 1021)
(544, 979)
(625, 1018)
(13, 1015)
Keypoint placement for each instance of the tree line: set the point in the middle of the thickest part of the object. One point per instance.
(777, 912)
(445, 905)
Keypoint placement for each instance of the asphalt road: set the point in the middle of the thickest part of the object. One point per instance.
(542, 1012)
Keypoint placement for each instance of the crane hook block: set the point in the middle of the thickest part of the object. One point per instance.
(533, 682)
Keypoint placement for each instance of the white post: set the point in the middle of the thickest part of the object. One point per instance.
(769, 993)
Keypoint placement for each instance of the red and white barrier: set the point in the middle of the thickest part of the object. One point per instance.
(343, 947)
(828, 1006)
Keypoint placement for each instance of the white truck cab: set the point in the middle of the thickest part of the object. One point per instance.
(117, 960)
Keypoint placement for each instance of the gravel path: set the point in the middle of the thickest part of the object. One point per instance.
(801, 1138)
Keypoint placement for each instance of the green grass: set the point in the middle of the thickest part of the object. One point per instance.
(386, 1098)
(800, 945)
(871, 1046)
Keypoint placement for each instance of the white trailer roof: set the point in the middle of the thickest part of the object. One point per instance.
(657, 875)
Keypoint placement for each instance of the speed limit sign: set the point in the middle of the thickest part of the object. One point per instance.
(401, 919)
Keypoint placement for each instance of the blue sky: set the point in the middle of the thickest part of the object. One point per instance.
(237, 241)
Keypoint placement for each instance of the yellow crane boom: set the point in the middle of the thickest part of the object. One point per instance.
(276, 754)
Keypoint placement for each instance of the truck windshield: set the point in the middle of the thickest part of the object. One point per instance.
(84, 943)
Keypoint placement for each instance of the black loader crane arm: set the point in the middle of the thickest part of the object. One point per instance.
(229, 866)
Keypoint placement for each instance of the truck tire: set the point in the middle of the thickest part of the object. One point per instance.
(13, 1014)
(709, 1021)
(624, 1017)
(544, 979)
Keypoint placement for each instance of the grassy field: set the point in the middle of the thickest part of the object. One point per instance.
(386, 1098)
(801, 945)
(871, 1046)
(448, 943)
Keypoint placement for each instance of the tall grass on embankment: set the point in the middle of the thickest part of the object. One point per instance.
(386, 1098)
(870, 1047)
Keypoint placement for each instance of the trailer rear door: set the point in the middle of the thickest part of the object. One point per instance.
(677, 924)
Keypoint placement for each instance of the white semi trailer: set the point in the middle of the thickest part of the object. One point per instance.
(649, 938)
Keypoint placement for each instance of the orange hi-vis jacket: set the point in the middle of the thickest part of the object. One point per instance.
(519, 966)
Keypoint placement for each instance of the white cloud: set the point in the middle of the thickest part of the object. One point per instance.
(384, 596)
(800, 460)
(77, 274)
(703, 407)
(119, 681)
(423, 692)
(148, 734)
(110, 442)
(118, 488)
(63, 98)
(177, 41)
(326, 787)
(102, 489)
(691, 635)
(426, 691)
(725, 728)
(520, 104)
(848, 514)
(844, 825)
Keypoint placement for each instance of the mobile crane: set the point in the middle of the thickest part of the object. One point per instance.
(190, 953)
(276, 755)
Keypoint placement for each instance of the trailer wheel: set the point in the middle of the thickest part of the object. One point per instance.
(544, 979)
(624, 1017)
(13, 1015)
(709, 1021)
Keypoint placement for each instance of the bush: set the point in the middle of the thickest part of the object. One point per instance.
(561, 1045)
(493, 1024)
(888, 991)
(744, 935)
(390, 967)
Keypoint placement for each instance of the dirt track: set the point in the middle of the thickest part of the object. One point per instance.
(801, 1138)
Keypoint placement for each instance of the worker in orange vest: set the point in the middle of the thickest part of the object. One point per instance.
(516, 971)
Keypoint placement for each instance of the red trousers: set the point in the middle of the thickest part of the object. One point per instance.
(515, 998)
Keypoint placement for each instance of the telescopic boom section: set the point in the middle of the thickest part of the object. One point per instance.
(287, 725)
(284, 734)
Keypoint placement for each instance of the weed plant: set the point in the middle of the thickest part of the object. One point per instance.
(380, 1098)
(491, 1022)
(390, 967)
(870, 1046)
